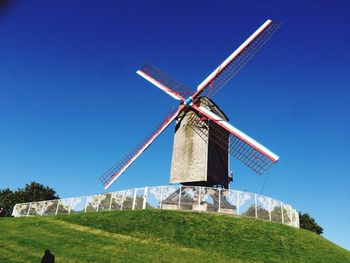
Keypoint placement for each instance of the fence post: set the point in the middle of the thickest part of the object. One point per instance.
(219, 209)
(199, 197)
(30, 205)
(99, 202)
(14, 211)
(86, 203)
(123, 199)
(133, 203)
(70, 205)
(58, 204)
(180, 197)
(161, 196)
(282, 212)
(297, 223)
(270, 209)
(145, 198)
(110, 202)
(256, 207)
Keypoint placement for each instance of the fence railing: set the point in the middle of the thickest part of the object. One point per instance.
(192, 198)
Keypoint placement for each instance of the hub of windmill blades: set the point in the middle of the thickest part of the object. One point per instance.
(203, 136)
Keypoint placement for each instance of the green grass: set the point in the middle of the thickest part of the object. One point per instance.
(161, 236)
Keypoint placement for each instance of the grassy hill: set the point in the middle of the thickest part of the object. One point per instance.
(161, 236)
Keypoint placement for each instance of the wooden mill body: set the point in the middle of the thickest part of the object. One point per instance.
(197, 159)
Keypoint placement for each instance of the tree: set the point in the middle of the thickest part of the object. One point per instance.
(7, 201)
(309, 223)
(36, 192)
(30, 193)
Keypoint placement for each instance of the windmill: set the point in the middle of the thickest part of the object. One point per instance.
(209, 129)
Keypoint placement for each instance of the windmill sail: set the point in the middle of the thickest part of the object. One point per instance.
(236, 61)
(170, 86)
(244, 148)
(113, 173)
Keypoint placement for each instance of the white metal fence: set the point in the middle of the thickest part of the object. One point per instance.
(192, 198)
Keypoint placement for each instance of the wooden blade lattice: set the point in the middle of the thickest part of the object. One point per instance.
(121, 165)
(176, 86)
(226, 74)
(242, 151)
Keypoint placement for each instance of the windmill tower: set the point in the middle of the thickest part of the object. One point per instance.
(203, 137)
(200, 150)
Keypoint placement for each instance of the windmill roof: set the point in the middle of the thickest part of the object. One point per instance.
(213, 106)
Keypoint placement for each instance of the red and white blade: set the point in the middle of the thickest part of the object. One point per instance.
(244, 148)
(236, 61)
(112, 174)
(164, 82)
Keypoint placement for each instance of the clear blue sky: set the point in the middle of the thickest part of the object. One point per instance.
(71, 104)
